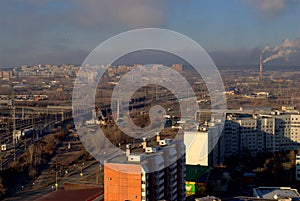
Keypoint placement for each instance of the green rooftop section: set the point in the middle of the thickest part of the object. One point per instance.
(195, 172)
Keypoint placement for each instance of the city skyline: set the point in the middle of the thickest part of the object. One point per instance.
(233, 32)
(150, 100)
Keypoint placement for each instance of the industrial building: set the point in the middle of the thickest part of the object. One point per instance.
(153, 171)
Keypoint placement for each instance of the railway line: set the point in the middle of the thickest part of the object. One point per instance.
(40, 123)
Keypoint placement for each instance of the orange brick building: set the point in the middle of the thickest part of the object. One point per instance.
(155, 171)
(122, 182)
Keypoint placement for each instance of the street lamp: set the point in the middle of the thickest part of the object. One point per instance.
(56, 184)
(81, 173)
(99, 175)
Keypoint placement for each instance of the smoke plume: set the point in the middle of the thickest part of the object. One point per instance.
(284, 50)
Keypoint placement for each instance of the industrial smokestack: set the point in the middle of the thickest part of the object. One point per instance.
(284, 50)
(260, 68)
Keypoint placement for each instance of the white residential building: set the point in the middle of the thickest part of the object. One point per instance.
(205, 145)
(261, 133)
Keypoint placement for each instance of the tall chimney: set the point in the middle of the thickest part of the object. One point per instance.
(260, 68)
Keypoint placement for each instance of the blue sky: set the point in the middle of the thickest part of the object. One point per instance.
(65, 31)
(238, 24)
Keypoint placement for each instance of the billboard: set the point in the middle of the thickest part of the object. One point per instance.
(192, 188)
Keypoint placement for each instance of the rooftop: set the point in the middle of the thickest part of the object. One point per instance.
(75, 192)
(276, 192)
(149, 154)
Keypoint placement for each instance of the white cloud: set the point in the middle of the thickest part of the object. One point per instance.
(269, 5)
(130, 13)
(270, 8)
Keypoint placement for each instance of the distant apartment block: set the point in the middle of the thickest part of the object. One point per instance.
(267, 132)
(6, 74)
(177, 67)
(47, 71)
(154, 171)
(247, 132)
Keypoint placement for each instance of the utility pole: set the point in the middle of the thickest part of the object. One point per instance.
(62, 114)
(1, 167)
(23, 113)
(14, 125)
(1, 152)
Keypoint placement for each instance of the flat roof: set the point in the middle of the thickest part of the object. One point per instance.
(280, 192)
(74, 195)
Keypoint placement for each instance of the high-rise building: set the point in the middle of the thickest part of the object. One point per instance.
(205, 146)
(154, 171)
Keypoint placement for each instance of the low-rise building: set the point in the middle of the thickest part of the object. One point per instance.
(276, 193)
